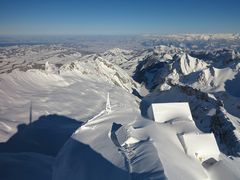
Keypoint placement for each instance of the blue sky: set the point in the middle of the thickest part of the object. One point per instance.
(76, 17)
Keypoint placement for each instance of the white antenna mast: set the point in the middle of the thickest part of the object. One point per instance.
(108, 105)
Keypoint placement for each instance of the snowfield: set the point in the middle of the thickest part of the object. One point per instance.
(158, 113)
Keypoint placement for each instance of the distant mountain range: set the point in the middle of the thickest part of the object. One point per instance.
(53, 99)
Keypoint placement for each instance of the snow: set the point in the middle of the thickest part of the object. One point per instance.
(189, 64)
(205, 148)
(204, 37)
(110, 146)
(27, 166)
(79, 119)
(130, 141)
(123, 136)
(221, 171)
(163, 112)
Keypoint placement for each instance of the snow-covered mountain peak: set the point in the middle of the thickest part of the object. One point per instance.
(189, 64)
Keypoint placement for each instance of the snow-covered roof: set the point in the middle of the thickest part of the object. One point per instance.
(163, 112)
(201, 146)
(124, 138)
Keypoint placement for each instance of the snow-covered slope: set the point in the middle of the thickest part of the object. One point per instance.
(136, 148)
(42, 107)
(40, 90)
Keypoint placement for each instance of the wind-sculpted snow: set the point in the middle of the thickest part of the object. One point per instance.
(42, 107)
(43, 89)
(105, 150)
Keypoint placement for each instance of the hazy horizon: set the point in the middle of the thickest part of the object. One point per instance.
(98, 17)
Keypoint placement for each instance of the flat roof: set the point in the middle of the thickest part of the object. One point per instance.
(163, 112)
